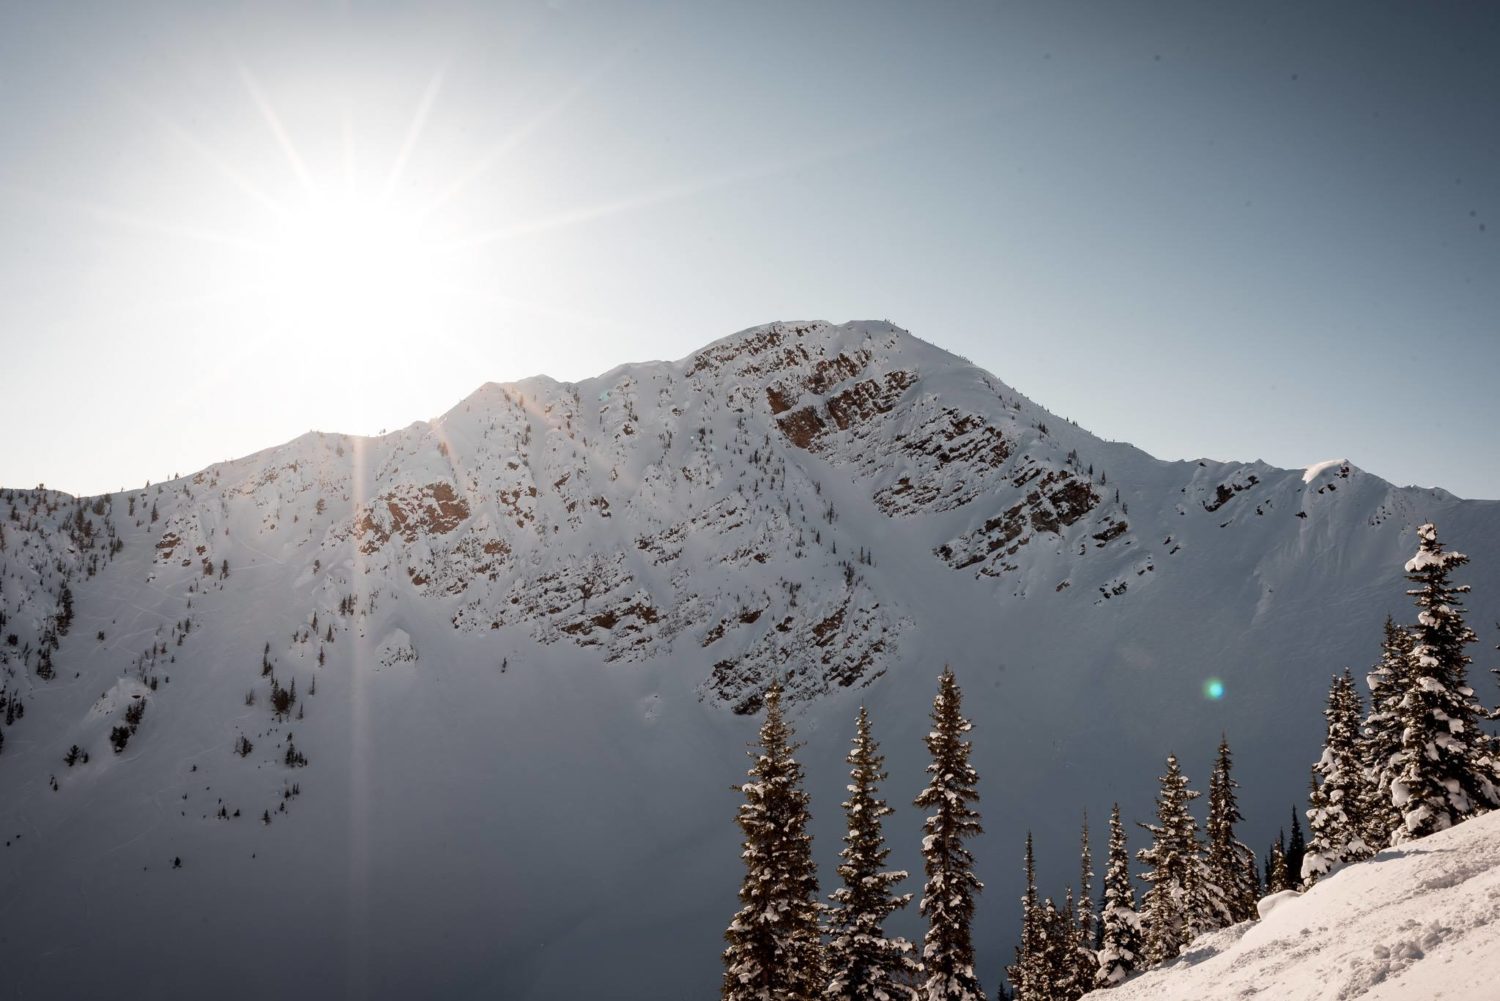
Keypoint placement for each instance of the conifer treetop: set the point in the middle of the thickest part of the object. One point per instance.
(948, 895)
(1443, 771)
(774, 942)
(864, 963)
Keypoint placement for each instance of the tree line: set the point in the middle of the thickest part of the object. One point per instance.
(1416, 761)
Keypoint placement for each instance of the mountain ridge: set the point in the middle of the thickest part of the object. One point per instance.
(584, 587)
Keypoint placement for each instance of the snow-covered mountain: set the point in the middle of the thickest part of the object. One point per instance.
(527, 638)
(1419, 921)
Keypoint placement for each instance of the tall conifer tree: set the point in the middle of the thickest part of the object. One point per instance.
(775, 945)
(1028, 975)
(1276, 877)
(1168, 906)
(1338, 813)
(1121, 924)
(1446, 773)
(1057, 956)
(948, 896)
(864, 964)
(1233, 890)
(1296, 848)
(1085, 960)
(1381, 743)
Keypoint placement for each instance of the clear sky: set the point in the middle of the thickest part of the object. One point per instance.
(1255, 230)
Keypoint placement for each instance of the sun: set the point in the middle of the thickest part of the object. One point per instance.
(345, 259)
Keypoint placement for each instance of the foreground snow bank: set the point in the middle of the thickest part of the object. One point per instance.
(1421, 921)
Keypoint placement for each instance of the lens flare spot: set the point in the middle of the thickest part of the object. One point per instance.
(1213, 689)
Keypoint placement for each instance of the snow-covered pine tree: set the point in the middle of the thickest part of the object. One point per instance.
(1233, 892)
(864, 964)
(1062, 932)
(1028, 975)
(1085, 960)
(1167, 907)
(1121, 924)
(1296, 848)
(1446, 773)
(1338, 813)
(948, 896)
(1380, 746)
(1276, 878)
(775, 948)
(1252, 880)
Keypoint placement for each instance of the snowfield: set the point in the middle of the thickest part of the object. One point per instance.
(1417, 922)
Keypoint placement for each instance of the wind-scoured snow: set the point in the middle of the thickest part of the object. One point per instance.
(1419, 921)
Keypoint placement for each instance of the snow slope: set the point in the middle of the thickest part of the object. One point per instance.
(528, 638)
(1420, 921)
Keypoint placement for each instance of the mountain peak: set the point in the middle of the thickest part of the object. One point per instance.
(600, 575)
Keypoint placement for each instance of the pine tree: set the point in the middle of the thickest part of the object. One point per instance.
(1028, 975)
(1276, 878)
(1381, 744)
(1085, 960)
(1118, 956)
(775, 949)
(863, 963)
(1296, 849)
(1338, 813)
(1252, 880)
(1167, 907)
(1047, 966)
(1446, 773)
(1057, 954)
(1233, 893)
(948, 896)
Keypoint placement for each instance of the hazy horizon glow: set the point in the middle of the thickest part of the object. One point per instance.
(1239, 233)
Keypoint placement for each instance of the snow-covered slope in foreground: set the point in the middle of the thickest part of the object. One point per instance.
(1417, 922)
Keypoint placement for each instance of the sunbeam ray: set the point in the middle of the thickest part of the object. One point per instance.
(359, 745)
(120, 217)
(263, 105)
(496, 154)
(213, 159)
(413, 133)
(666, 194)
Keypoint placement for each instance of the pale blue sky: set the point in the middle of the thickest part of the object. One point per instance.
(1237, 230)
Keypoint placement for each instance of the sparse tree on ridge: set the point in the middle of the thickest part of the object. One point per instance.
(948, 896)
(864, 964)
(1121, 951)
(1167, 908)
(775, 945)
(1338, 813)
(1445, 771)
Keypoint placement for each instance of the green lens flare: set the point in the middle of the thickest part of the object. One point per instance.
(1213, 689)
